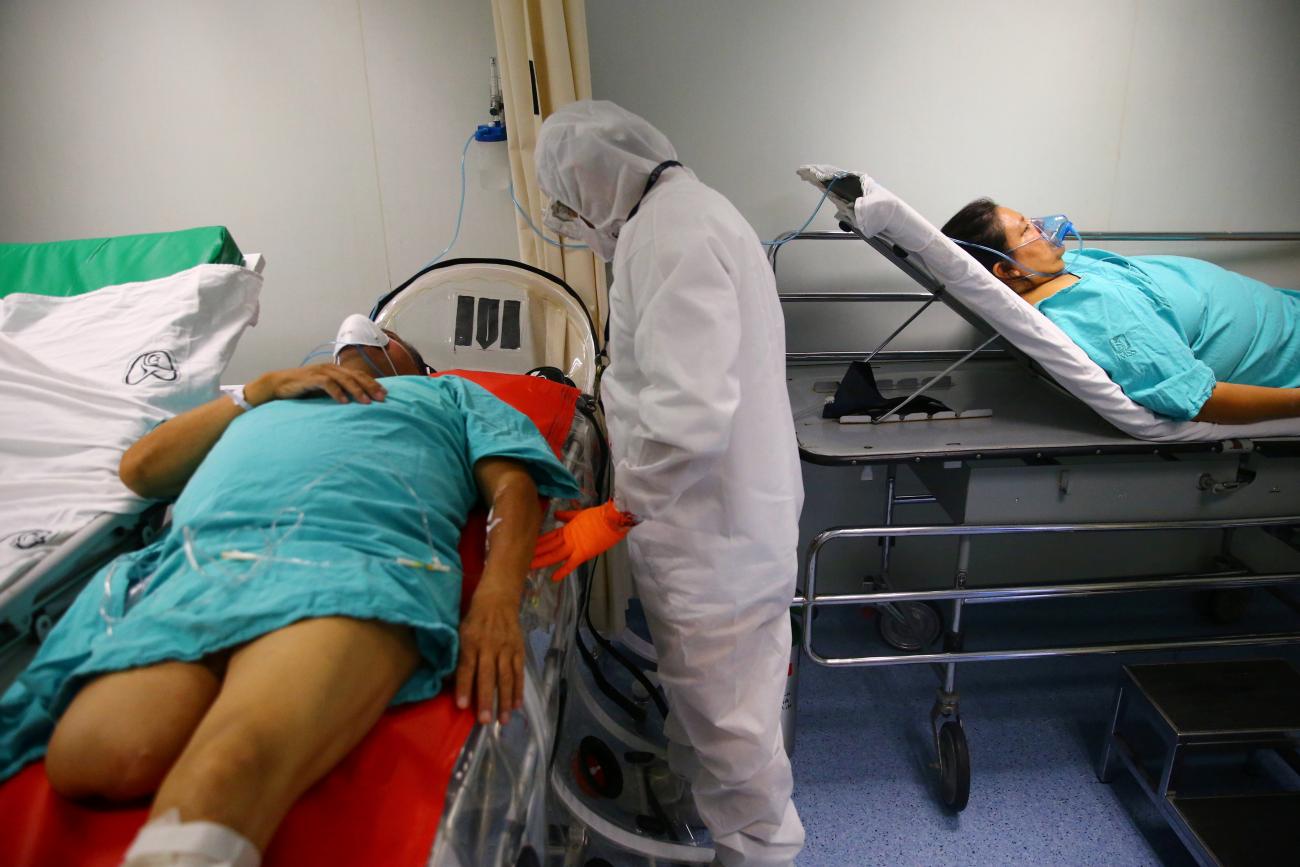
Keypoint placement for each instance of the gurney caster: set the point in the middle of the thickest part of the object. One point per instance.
(954, 766)
(909, 626)
(952, 751)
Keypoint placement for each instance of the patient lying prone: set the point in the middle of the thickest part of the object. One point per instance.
(309, 579)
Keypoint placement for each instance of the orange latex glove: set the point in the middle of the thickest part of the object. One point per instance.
(586, 533)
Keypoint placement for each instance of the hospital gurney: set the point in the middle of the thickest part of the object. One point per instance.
(99, 340)
(472, 794)
(1062, 452)
(604, 758)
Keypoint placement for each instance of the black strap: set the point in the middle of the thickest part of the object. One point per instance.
(858, 394)
(650, 182)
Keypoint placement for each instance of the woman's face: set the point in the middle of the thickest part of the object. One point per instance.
(1027, 245)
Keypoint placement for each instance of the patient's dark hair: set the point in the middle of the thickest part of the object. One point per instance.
(978, 223)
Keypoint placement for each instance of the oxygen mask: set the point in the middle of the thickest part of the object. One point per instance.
(1053, 229)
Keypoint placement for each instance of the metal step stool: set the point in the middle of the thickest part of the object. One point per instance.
(1213, 709)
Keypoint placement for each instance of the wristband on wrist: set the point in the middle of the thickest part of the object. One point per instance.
(237, 395)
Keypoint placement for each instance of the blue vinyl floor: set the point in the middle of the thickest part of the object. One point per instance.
(864, 784)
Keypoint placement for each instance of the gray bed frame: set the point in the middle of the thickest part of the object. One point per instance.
(1044, 463)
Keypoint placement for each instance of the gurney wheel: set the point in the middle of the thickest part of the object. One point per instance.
(596, 768)
(921, 625)
(954, 766)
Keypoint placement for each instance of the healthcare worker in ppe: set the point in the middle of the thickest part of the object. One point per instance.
(704, 452)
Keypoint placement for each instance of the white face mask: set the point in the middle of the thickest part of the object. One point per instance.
(359, 330)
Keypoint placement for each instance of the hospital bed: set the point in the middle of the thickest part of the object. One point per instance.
(99, 340)
(1055, 449)
(474, 795)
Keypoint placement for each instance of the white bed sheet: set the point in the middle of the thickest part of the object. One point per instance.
(881, 213)
(82, 378)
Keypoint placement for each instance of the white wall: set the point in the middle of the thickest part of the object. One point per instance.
(1125, 114)
(325, 133)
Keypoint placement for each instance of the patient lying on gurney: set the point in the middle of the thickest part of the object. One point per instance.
(1183, 337)
(309, 579)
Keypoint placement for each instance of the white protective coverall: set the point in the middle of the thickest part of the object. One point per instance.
(704, 452)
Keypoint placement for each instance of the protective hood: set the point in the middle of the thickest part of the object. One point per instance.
(595, 157)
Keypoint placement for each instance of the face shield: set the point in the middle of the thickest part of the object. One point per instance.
(562, 220)
(565, 222)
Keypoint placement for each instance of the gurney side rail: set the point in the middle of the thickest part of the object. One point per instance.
(1226, 579)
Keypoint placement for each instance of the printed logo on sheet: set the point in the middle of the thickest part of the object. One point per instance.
(156, 364)
(1122, 346)
(25, 540)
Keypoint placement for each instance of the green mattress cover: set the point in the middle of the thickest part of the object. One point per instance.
(66, 268)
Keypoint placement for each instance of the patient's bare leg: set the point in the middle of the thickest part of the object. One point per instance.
(294, 702)
(123, 731)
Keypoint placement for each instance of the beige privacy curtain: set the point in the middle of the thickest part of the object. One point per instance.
(542, 52)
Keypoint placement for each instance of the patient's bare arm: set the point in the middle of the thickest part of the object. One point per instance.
(1231, 403)
(491, 641)
(162, 461)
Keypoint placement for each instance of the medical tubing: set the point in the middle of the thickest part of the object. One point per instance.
(781, 240)
(656, 808)
(1005, 256)
(460, 210)
(602, 683)
(537, 231)
(632, 668)
(561, 705)
(586, 406)
(324, 348)
(603, 493)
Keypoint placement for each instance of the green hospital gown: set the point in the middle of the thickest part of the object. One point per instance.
(304, 508)
(1167, 328)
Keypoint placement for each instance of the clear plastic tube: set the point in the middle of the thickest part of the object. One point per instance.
(229, 556)
(460, 210)
(780, 240)
(537, 231)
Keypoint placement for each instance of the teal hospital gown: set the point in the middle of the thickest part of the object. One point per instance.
(1167, 328)
(304, 508)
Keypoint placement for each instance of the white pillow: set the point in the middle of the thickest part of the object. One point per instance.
(84, 377)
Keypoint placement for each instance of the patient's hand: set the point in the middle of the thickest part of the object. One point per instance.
(491, 655)
(338, 382)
